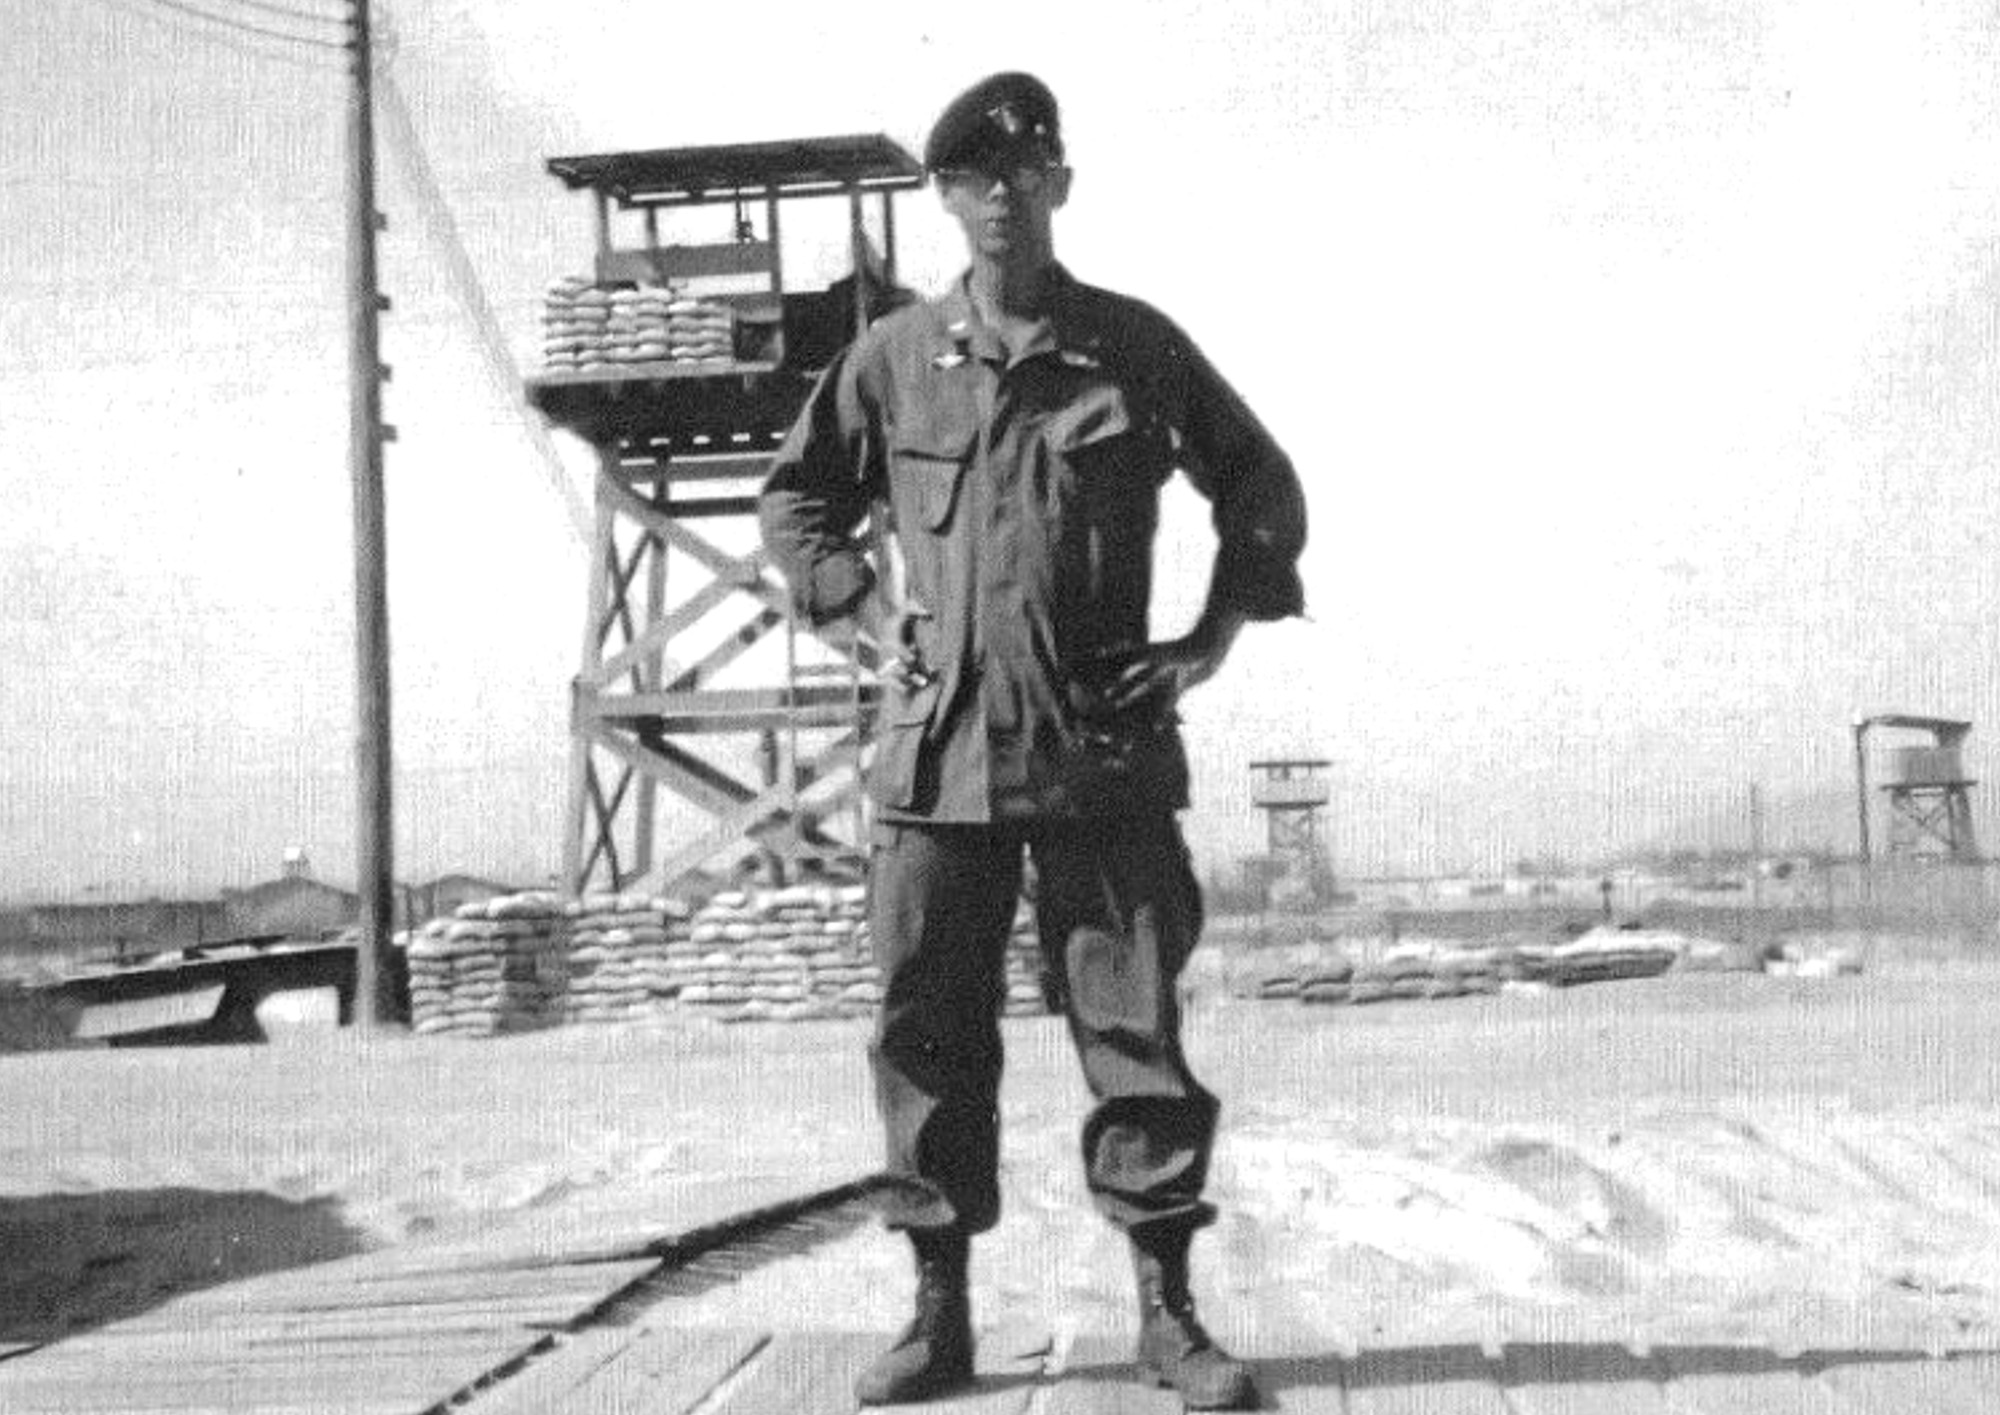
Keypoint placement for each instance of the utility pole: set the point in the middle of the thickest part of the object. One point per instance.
(374, 814)
(1756, 846)
(1861, 726)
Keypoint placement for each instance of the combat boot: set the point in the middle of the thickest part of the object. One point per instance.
(1174, 1350)
(934, 1354)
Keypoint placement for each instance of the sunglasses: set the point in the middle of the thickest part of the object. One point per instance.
(1025, 175)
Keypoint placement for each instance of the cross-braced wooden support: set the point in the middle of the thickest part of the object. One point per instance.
(1932, 820)
(755, 728)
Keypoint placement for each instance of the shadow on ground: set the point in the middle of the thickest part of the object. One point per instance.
(1561, 1363)
(77, 1261)
(1556, 1363)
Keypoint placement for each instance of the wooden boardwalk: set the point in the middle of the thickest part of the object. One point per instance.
(398, 1332)
(580, 1319)
(668, 1370)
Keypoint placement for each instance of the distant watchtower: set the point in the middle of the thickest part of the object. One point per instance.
(1292, 793)
(1930, 796)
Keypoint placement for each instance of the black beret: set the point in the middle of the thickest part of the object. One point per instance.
(1001, 114)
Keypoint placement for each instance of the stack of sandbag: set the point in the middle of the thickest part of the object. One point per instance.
(576, 318)
(636, 332)
(783, 955)
(1602, 955)
(1709, 955)
(1468, 972)
(1814, 958)
(586, 326)
(1326, 981)
(698, 331)
(618, 956)
(1404, 972)
(1416, 969)
(494, 966)
(1026, 994)
(841, 959)
(1284, 984)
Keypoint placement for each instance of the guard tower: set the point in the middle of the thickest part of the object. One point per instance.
(700, 708)
(1292, 793)
(1930, 796)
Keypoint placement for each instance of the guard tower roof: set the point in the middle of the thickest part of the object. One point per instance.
(678, 176)
(1917, 723)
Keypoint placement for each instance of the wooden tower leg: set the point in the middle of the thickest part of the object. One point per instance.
(585, 843)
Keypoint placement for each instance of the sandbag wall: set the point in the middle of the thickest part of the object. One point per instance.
(779, 955)
(783, 955)
(1026, 997)
(1430, 971)
(802, 953)
(587, 327)
(496, 966)
(621, 954)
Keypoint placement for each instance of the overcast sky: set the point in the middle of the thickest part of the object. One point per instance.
(1640, 359)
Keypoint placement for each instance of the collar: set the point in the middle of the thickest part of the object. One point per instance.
(1066, 331)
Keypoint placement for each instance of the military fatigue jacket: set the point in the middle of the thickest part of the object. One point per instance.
(1022, 491)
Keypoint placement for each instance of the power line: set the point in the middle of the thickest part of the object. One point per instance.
(196, 12)
(288, 12)
(136, 8)
(404, 141)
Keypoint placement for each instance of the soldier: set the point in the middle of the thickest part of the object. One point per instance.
(1018, 429)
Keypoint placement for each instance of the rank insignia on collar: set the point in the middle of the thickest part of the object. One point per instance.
(1077, 358)
(951, 358)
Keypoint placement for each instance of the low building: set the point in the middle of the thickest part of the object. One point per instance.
(447, 892)
(125, 927)
(296, 906)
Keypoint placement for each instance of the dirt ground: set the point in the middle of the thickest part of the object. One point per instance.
(1706, 1146)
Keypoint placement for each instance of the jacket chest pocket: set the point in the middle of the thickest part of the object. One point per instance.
(927, 470)
(1108, 466)
(1105, 450)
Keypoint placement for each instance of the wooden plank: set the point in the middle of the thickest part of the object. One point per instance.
(458, 1319)
(421, 1289)
(564, 1277)
(1955, 1385)
(662, 1371)
(353, 1386)
(352, 1398)
(1580, 1378)
(1453, 1379)
(191, 1360)
(268, 1403)
(686, 262)
(224, 1303)
(187, 1348)
(179, 1354)
(407, 1381)
(725, 709)
(351, 1305)
(800, 1374)
(1742, 1380)
(805, 1373)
